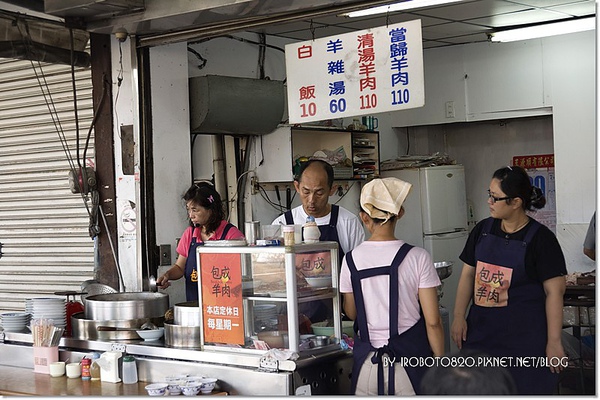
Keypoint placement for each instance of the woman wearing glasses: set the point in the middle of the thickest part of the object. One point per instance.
(207, 222)
(513, 276)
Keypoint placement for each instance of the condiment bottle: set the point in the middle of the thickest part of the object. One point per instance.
(85, 368)
(129, 370)
(95, 368)
(311, 231)
(289, 235)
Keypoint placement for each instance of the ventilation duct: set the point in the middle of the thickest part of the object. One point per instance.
(29, 38)
(237, 106)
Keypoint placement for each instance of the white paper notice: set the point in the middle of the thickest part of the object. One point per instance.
(359, 73)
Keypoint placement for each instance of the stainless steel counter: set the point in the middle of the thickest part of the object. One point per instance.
(327, 372)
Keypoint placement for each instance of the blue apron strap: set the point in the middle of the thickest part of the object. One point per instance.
(289, 219)
(394, 286)
(225, 230)
(400, 255)
(358, 298)
(335, 210)
(532, 231)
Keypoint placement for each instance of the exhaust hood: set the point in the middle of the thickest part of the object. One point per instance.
(235, 106)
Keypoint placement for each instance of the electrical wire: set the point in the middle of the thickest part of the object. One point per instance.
(233, 198)
(261, 55)
(239, 39)
(119, 82)
(74, 85)
(43, 84)
(262, 153)
(265, 196)
(203, 60)
(46, 93)
(93, 196)
(344, 195)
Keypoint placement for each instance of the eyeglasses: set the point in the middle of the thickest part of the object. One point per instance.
(495, 199)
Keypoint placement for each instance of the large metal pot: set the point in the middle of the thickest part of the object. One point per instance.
(126, 306)
(187, 314)
(86, 329)
(182, 336)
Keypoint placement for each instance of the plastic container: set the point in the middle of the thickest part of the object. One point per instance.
(311, 231)
(289, 235)
(129, 370)
(43, 357)
(95, 368)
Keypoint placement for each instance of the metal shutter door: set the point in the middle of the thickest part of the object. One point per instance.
(46, 246)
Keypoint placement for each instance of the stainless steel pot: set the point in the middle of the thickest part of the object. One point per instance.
(126, 306)
(182, 336)
(86, 329)
(443, 269)
(187, 314)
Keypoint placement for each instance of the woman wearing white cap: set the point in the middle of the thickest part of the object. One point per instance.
(390, 291)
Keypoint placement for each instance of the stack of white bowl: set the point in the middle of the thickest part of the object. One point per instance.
(53, 308)
(15, 321)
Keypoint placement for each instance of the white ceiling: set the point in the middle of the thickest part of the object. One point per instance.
(452, 24)
(467, 21)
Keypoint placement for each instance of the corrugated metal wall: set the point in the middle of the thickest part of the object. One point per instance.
(46, 246)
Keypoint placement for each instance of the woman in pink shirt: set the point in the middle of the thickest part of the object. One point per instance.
(390, 291)
(207, 222)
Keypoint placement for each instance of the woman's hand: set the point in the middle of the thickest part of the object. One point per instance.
(163, 281)
(555, 291)
(557, 359)
(464, 293)
(459, 331)
(174, 273)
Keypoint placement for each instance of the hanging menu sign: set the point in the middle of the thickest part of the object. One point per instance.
(222, 304)
(364, 72)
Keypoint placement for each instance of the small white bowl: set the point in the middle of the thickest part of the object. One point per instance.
(319, 281)
(191, 388)
(193, 378)
(174, 387)
(208, 384)
(151, 334)
(156, 389)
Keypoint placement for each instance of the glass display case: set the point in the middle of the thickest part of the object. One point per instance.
(253, 298)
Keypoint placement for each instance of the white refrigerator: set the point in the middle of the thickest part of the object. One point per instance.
(435, 218)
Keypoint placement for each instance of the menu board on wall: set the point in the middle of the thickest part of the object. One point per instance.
(222, 303)
(540, 169)
(359, 73)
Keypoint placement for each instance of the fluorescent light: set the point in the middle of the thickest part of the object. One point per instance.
(556, 28)
(405, 5)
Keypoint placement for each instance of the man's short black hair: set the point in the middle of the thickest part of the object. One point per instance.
(325, 165)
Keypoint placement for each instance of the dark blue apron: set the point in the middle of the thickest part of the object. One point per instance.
(328, 232)
(191, 270)
(411, 343)
(519, 328)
